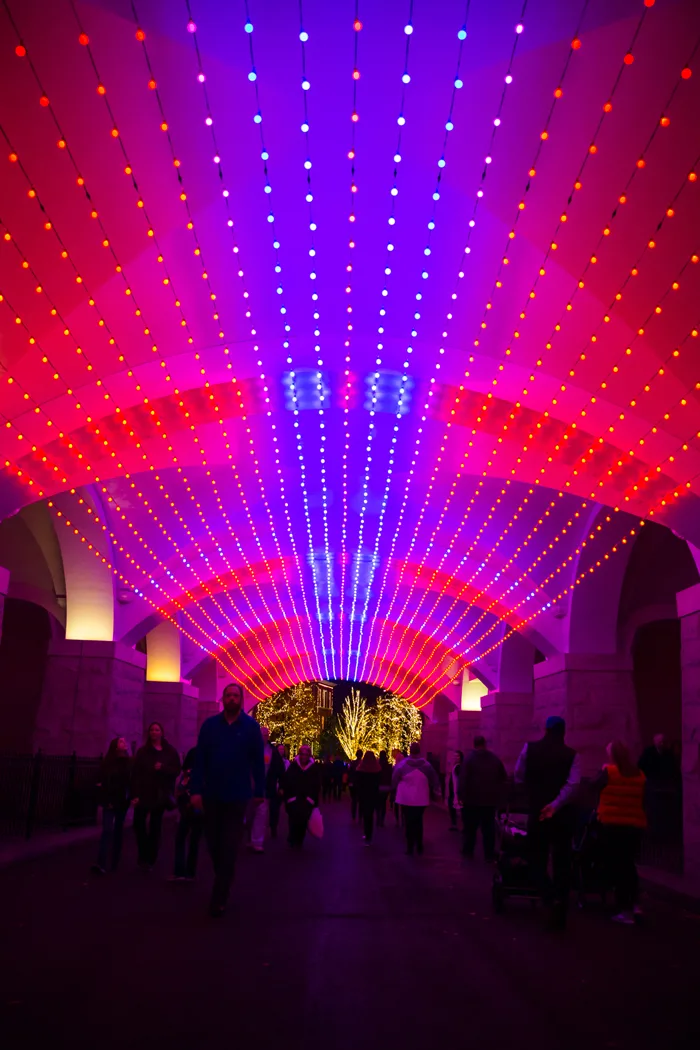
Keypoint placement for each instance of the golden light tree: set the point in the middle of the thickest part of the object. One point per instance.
(292, 717)
(396, 724)
(355, 725)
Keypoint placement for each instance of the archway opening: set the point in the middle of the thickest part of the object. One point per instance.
(26, 632)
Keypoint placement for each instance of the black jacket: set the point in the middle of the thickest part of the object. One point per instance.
(482, 778)
(113, 788)
(367, 785)
(302, 784)
(547, 769)
(155, 788)
(274, 774)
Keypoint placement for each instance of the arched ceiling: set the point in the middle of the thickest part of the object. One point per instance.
(350, 318)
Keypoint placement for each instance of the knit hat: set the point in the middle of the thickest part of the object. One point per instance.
(556, 723)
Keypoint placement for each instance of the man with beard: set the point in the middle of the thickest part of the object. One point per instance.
(229, 770)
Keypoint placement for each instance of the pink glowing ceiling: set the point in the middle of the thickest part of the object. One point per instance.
(331, 327)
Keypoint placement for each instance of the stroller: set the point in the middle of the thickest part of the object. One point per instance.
(513, 876)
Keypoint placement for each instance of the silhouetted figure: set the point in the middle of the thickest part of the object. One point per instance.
(261, 814)
(454, 804)
(367, 777)
(190, 825)
(155, 770)
(661, 767)
(551, 772)
(114, 793)
(338, 774)
(482, 781)
(327, 778)
(302, 787)
(622, 818)
(386, 771)
(414, 780)
(229, 770)
(351, 783)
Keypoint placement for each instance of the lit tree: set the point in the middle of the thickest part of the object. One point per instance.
(355, 727)
(397, 724)
(292, 717)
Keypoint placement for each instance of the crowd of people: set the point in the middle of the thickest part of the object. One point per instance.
(236, 781)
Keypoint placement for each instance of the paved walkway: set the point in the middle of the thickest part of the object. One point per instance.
(339, 946)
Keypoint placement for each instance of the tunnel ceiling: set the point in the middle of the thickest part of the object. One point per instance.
(331, 327)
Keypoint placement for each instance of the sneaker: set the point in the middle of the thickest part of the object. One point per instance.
(625, 918)
(97, 870)
(190, 878)
(637, 912)
(176, 878)
(257, 849)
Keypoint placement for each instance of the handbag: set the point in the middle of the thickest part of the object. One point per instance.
(316, 823)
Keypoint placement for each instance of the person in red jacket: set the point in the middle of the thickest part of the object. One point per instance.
(622, 818)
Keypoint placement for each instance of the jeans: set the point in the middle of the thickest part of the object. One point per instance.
(275, 804)
(298, 813)
(258, 815)
(413, 818)
(367, 807)
(475, 817)
(621, 844)
(551, 836)
(354, 801)
(147, 833)
(223, 827)
(112, 826)
(190, 827)
(382, 800)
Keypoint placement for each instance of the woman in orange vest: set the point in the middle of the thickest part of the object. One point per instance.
(622, 819)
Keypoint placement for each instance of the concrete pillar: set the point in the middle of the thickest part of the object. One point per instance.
(4, 588)
(595, 694)
(688, 602)
(174, 705)
(206, 709)
(163, 653)
(507, 724)
(89, 582)
(462, 727)
(93, 691)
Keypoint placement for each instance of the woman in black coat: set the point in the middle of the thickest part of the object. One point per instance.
(156, 767)
(113, 795)
(302, 786)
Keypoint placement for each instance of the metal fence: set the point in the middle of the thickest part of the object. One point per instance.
(46, 791)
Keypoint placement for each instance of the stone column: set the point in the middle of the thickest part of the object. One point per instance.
(4, 587)
(462, 727)
(507, 724)
(688, 602)
(93, 691)
(174, 705)
(595, 694)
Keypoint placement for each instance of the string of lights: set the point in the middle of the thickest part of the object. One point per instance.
(577, 185)
(372, 651)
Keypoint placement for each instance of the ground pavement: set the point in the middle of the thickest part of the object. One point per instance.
(339, 946)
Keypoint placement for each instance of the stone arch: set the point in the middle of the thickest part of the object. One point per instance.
(24, 647)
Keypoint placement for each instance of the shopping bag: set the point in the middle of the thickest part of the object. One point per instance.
(316, 823)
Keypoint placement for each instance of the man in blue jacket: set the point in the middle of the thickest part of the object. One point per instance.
(229, 770)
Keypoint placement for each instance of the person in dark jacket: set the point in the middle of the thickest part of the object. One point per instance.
(229, 771)
(482, 778)
(351, 783)
(338, 774)
(113, 795)
(551, 773)
(327, 778)
(190, 825)
(269, 811)
(454, 804)
(302, 786)
(386, 772)
(367, 779)
(155, 771)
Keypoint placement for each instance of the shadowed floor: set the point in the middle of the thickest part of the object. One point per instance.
(339, 945)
